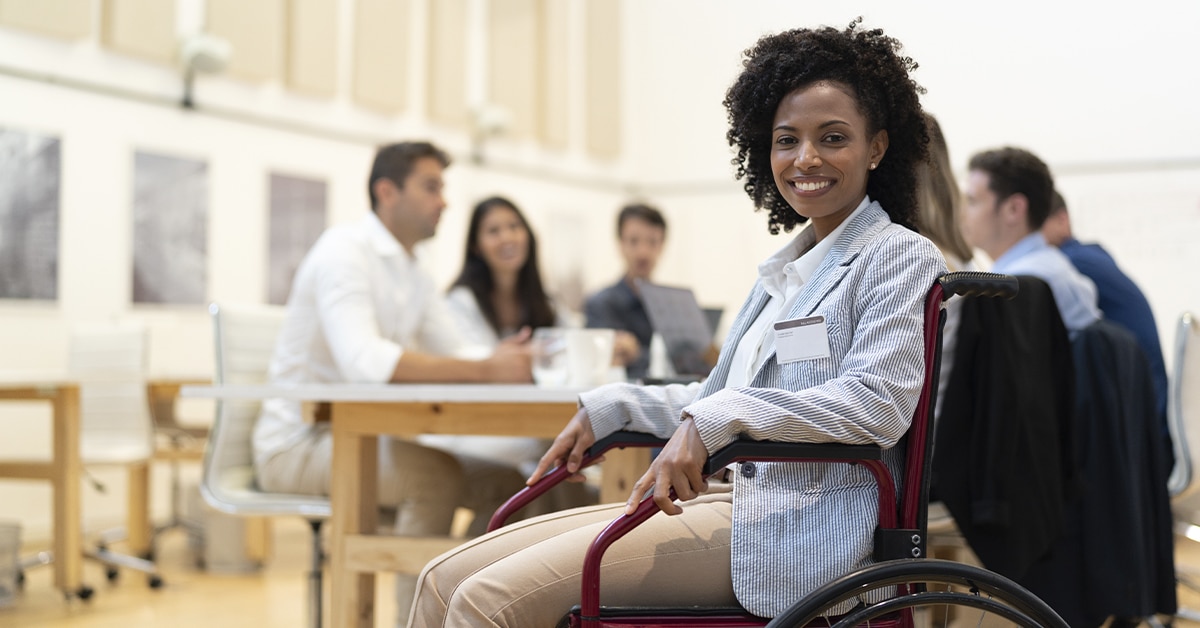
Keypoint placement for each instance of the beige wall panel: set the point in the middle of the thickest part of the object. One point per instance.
(602, 92)
(554, 123)
(312, 46)
(256, 31)
(448, 63)
(145, 28)
(514, 54)
(381, 34)
(71, 19)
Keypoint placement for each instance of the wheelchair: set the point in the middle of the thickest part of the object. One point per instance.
(902, 588)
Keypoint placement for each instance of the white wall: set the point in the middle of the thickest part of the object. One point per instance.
(1106, 99)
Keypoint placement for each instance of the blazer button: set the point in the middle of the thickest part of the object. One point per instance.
(748, 470)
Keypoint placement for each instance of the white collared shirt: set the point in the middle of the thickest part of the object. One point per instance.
(782, 275)
(358, 301)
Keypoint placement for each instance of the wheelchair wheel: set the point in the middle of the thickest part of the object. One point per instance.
(939, 593)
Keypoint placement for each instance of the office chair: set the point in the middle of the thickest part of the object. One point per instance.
(1183, 419)
(109, 363)
(883, 594)
(244, 339)
(175, 443)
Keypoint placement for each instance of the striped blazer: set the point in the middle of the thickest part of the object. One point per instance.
(798, 526)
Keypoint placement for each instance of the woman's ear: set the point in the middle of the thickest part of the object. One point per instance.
(879, 146)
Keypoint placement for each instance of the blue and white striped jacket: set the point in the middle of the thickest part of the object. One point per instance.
(798, 526)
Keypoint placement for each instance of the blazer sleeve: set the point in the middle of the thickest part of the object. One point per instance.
(872, 397)
(650, 409)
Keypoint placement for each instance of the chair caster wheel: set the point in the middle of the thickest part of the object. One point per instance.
(21, 579)
(111, 574)
(155, 582)
(85, 592)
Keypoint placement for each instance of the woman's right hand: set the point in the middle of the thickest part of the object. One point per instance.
(568, 448)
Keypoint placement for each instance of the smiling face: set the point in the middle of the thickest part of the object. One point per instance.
(502, 240)
(821, 152)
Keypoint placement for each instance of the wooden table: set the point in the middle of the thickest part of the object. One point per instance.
(63, 471)
(362, 413)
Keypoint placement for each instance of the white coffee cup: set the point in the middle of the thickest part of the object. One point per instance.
(572, 357)
(589, 355)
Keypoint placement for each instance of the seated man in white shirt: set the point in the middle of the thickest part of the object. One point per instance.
(1008, 197)
(361, 310)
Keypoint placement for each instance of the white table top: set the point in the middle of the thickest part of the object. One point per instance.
(430, 393)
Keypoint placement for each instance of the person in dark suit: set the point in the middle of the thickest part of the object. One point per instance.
(1119, 298)
(641, 233)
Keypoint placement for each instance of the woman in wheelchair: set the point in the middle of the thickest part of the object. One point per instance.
(828, 130)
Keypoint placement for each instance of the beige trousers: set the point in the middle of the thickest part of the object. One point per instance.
(527, 574)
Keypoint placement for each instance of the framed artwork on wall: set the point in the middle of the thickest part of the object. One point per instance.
(170, 218)
(30, 175)
(297, 219)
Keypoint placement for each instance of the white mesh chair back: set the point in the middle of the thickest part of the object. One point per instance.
(109, 362)
(244, 339)
(1183, 417)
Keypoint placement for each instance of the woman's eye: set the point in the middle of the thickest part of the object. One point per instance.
(785, 140)
(835, 138)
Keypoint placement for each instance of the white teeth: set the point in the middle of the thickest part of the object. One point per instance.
(805, 186)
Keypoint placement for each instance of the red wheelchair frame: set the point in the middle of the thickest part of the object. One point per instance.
(900, 538)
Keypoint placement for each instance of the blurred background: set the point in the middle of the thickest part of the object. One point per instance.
(156, 155)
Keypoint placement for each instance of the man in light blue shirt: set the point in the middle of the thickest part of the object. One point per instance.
(1008, 197)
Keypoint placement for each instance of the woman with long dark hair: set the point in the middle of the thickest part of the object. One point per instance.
(499, 290)
(498, 293)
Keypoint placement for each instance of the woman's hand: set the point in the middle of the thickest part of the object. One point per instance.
(680, 466)
(511, 362)
(569, 446)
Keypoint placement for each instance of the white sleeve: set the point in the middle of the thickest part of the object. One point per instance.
(441, 333)
(346, 313)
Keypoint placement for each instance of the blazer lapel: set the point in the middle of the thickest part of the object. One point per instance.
(750, 310)
(834, 267)
(837, 263)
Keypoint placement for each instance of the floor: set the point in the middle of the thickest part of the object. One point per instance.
(271, 598)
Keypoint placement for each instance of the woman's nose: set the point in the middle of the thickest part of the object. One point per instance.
(807, 156)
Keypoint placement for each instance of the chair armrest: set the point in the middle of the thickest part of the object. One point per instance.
(618, 440)
(775, 451)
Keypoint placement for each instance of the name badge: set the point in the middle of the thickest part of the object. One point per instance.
(801, 339)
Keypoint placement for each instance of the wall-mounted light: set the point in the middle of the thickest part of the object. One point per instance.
(201, 52)
(487, 121)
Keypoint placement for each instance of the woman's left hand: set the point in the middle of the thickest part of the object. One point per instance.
(680, 466)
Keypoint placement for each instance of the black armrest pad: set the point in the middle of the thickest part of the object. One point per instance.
(774, 451)
(625, 439)
(739, 450)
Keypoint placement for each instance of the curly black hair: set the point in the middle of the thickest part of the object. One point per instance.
(866, 61)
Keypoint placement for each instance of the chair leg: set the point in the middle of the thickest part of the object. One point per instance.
(315, 592)
(112, 560)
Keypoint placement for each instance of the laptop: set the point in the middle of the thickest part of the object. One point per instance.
(687, 330)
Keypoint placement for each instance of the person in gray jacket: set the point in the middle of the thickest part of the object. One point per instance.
(828, 131)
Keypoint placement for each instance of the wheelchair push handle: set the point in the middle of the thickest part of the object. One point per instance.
(978, 284)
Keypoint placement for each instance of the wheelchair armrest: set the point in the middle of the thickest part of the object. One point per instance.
(775, 451)
(558, 474)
